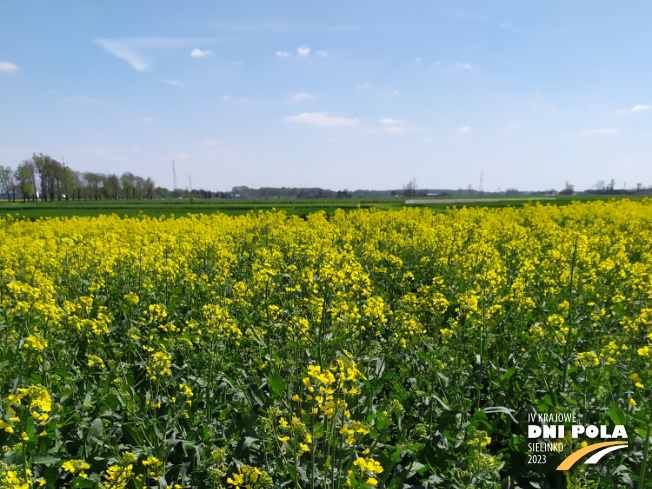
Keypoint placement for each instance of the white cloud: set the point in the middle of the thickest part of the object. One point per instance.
(303, 51)
(131, 50)
(323, 54)
(198, 53)
(396, 126)
(640, 108)
(395, 92)
(391, 121)
(364, 86)
(598, 132)
(464, 129)
(176, 83)
(8, 67)
(226, 98)
(453, 66)
(282, 54)
(322, 119)
(124, 50)
(418, 60)
(299, 97)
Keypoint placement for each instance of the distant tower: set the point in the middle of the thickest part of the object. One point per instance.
(480, 182)
(174, 177)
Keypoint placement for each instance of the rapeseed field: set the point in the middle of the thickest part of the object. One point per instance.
(363, 349)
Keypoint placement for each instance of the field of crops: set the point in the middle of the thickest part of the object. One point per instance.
(369, 348)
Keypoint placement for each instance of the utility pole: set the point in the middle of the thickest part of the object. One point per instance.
(174, 177)
(65, 176)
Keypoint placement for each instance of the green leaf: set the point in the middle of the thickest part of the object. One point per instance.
(97, 427)
(45, 458)
(277, 385)
(616, 414)
(573, 402)
(508, 375)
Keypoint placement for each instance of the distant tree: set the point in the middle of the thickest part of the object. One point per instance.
(410, 189)
(127, 181)
(112, 186)
(24, 176)
(149, 185)
(94, 185)
(139, 187)
(50, 173)
(69, 182)
(6, 177)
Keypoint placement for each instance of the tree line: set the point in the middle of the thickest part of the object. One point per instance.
(43, 178)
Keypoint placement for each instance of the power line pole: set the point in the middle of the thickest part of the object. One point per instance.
(174, 177)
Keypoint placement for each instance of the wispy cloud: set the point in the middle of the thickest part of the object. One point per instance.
(396, 126)
(387, 120)
(175, 83)
(282, 54)
(125, 50)
(540, 104)
(198, 53)
(364, 86)
(303, 51)
(484, 20)
(457, 65)
(323, 54)
(636, 108)
(299, 97)
(464, 129)
(418, 60)
(598, 132)
(7, 67)
(132, 50)
(322, 119)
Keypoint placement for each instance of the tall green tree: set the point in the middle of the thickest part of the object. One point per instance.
(6, 178)
(24, 174)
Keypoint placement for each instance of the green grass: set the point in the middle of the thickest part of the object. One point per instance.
(300, 207)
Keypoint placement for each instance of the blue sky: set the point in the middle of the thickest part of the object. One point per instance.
(338, 94)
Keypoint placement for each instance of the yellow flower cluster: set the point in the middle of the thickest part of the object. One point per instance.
(12, 477)
(159, 364)
(74, 466)
(154, 467)
(38, 407)
(250, 478)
